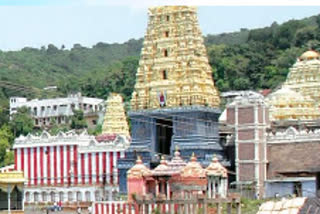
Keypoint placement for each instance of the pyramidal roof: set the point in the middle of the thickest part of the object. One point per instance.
(173, 69)
(115, 120)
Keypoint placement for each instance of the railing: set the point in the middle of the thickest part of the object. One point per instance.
(188, 206)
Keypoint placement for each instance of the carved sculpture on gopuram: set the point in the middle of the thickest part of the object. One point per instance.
(304, 75)
(175, 102)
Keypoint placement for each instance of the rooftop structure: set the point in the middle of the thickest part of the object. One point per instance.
(304, 76)
(189, 181)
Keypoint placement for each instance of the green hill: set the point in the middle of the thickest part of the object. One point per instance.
(248, 59)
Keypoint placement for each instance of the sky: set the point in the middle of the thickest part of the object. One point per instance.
(36, 23)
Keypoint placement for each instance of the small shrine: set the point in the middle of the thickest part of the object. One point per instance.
(176, 180)
(11, 191)
(217, 176)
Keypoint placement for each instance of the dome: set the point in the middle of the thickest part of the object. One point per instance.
(309, 55)
(176, 164)
(193, 169)
(304, 75)
(286, 104)
(139, 170)
(216, 169)
(162, 169)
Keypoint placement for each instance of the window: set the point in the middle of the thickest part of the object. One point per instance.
(27, 196)
(52, 197)
(97, 195)
(79, 196)
(88, 196)
(166, 34)
(297, 189)
(70, 196)
(168, 18)
(55, 107)
(44, 196)
(165, 52)
(42, 108)
(164, 74)
(61, 196)
(36, 196)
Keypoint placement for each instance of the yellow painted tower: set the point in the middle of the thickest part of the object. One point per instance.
(115, 120)
(304, 76)
(173, 69)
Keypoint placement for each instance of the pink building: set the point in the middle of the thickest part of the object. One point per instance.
(176, 179)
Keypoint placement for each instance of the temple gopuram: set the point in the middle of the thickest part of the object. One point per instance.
(175, 102)
(304, 75)
(115, 120)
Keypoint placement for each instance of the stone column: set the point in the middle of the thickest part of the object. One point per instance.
(157, 188)
(168, 190)
(213, 188)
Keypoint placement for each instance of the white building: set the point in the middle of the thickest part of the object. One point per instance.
(69, 167)
(59, 109)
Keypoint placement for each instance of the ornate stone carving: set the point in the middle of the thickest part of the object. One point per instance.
(173, 69)
(304, 76)
(286, 104)
(115, 120)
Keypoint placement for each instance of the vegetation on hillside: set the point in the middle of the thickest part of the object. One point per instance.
(248, 59)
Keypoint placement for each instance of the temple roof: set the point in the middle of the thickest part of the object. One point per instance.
(304, 75)
(287, 104)
(215, 168)
(193, 169)
(162, 169)
(139, 170)
(309, 55)
(176, 163)
(13, 177)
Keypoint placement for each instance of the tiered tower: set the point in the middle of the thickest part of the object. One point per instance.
(173, 69)
(304, 76)
(115, 120)
(175, 102)
(286, 104)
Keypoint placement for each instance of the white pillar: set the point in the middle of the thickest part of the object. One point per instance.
(168, 190)
(9, 198)
(157, 188)
(209, 187)
(214, 188)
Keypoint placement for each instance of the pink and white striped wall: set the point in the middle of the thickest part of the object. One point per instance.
(64, 164)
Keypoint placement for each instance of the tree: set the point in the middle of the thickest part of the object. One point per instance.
(6, 140)
(77, 120)
(22, 122)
